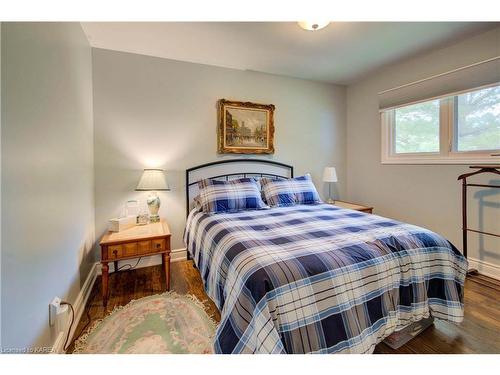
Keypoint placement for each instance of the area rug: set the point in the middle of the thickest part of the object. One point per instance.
(165, 323)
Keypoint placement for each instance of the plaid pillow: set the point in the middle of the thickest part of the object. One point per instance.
(230, 196)
(197, 203)
(298, 190)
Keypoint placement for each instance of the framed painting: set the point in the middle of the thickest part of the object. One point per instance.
(245, 128)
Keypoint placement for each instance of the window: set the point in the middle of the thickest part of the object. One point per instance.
(477, 120)
(416, 128)
(457, 129)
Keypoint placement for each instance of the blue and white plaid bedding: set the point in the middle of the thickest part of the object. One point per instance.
(321, 279)
(287, 192)
(229, 196)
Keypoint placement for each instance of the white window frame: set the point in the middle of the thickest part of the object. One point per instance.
(447, 153)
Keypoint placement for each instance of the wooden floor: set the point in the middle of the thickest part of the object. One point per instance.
(478, 333)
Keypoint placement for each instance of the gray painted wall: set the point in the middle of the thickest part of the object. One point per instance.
(426, 195)
(47, 174)
(157, 112)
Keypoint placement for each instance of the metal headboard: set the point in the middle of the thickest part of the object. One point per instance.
(263, 168)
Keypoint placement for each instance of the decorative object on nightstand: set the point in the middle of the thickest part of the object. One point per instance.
(353, 206)
(131, 208)
(127, 219)
(153, 180)
(330, 175)
(142, 217)
(138, 241)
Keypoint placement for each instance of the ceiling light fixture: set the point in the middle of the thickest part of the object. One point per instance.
(313, 26)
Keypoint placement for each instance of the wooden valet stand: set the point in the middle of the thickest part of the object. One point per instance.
(481, 169)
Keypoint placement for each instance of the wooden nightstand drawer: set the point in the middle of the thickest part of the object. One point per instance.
(129, 249)
(158, 245)
(143, 247)
(139, 241)
(115, 251)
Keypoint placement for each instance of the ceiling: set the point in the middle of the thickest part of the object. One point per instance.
(340, 53)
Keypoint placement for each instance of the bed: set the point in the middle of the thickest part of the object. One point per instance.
(317, 278)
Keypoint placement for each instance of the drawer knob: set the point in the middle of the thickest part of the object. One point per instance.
(158, 245)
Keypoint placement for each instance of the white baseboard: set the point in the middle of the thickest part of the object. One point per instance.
(485, 268)
(79, 308)
(178, 254)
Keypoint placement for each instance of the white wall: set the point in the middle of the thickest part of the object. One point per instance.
(47, 174)
(1, 116)
(157, 112)
(426, 195)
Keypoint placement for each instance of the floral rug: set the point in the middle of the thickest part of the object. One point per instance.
(165, 323)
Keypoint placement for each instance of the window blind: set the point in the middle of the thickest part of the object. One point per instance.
(473, 76)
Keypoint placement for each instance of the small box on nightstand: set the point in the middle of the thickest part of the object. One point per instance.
(122, 223)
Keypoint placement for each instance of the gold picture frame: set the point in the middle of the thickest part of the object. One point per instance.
(245, 128)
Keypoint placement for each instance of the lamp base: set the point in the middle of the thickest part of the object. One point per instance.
(154, 206)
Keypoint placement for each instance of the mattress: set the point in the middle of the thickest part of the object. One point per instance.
(321, 279)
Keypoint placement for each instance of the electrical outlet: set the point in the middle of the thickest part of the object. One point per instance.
(54, 310)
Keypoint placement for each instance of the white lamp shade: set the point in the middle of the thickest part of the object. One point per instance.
(330, 174)
(152, 180)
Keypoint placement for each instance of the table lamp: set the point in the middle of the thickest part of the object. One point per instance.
(330, 175)
(153, 180)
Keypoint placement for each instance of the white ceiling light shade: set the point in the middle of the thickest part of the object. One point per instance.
(313, 26)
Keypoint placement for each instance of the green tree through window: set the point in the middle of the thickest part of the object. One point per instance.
(417, 128)
(477, 117)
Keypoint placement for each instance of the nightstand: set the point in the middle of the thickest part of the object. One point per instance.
(353, 206)
(135, 242)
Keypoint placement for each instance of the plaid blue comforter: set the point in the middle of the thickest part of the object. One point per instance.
(321, 279)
